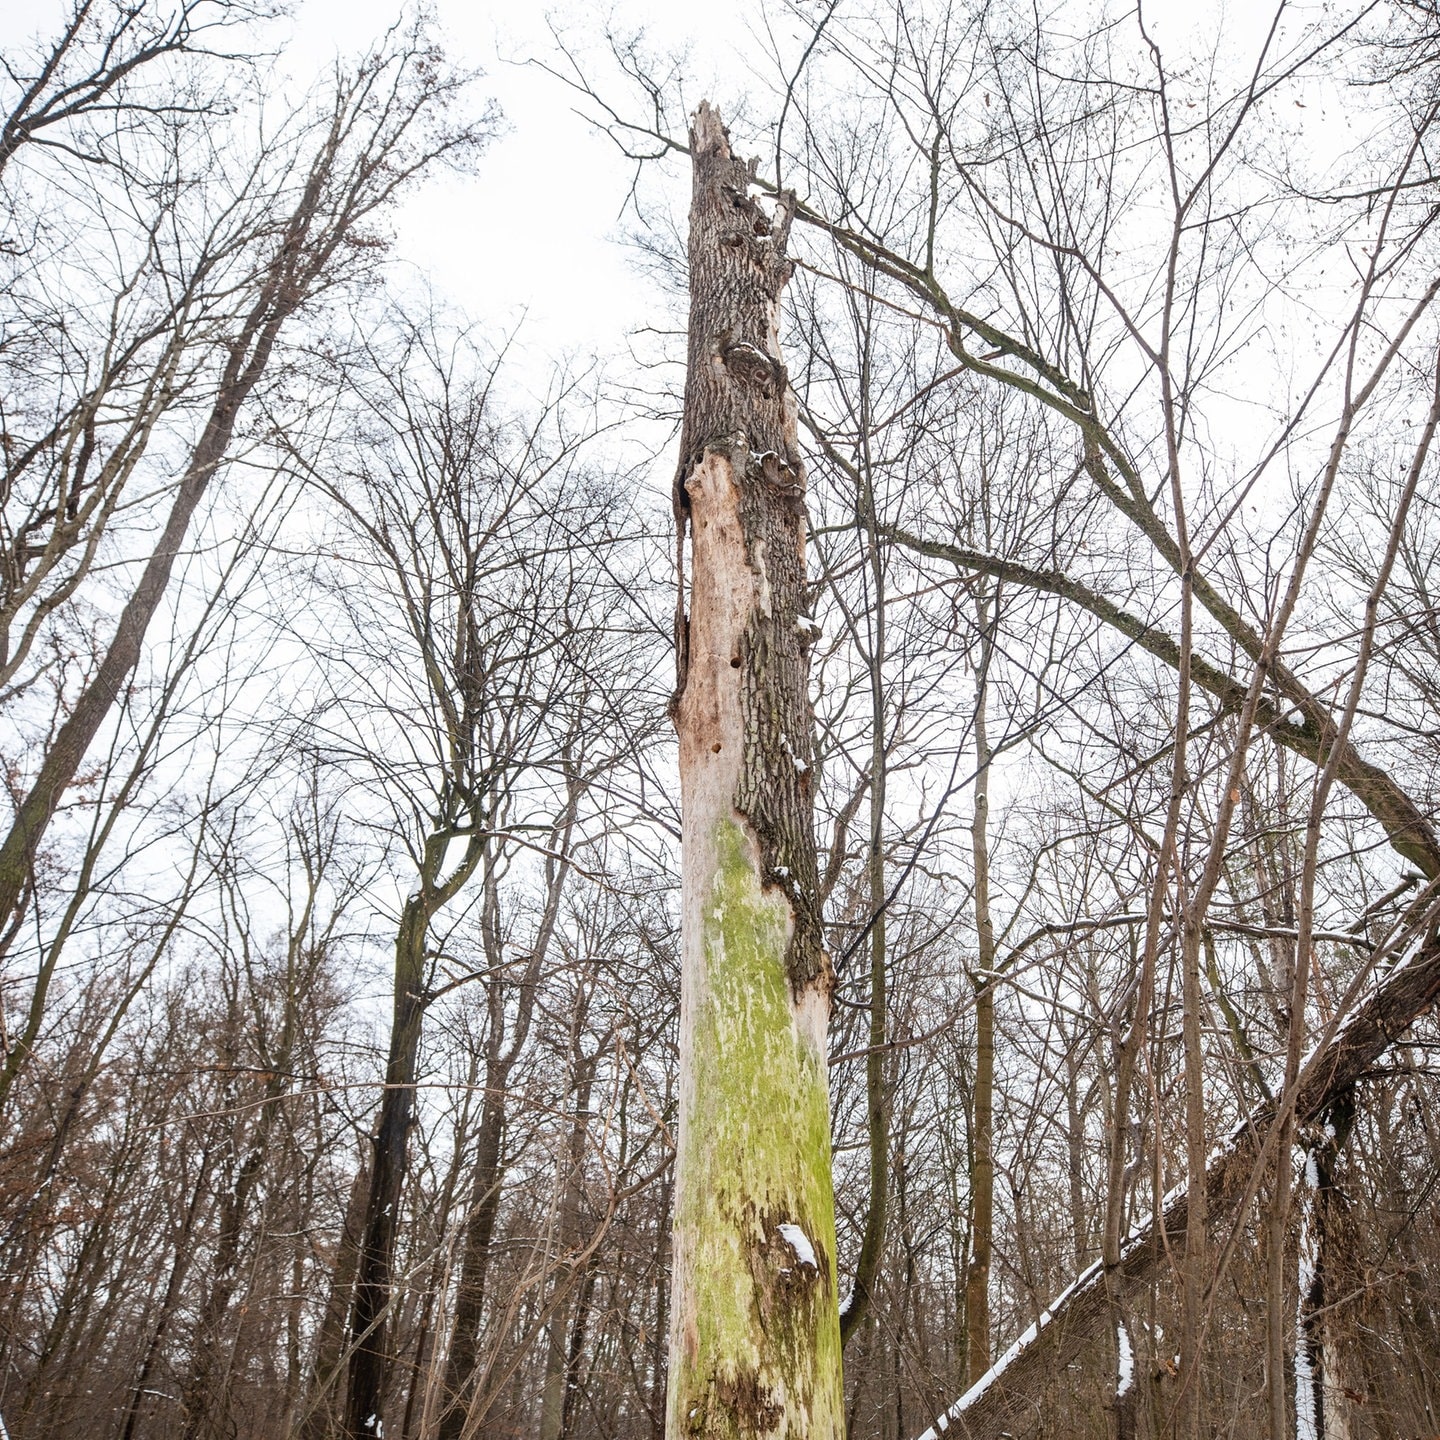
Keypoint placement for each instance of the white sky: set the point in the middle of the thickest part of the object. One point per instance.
(537, 233)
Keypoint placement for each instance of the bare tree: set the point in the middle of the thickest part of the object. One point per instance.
(1087, 223)
(336, 168)
(98, 73)
(479, 729)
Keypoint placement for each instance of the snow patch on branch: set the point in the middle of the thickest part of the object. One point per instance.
(1125, 1369)
(1306, 1398)
(1140, 1235)
(1415, 951)
(1027, 1339)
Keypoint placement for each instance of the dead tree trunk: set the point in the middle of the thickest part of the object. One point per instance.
(754, 1333)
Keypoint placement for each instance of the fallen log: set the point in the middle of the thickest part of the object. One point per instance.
(1006, 1400)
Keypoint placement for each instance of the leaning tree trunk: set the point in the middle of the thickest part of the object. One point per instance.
(754, 1333)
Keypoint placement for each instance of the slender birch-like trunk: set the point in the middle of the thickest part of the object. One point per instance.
(982, 1167)
(877, 1108)
(755, 1334)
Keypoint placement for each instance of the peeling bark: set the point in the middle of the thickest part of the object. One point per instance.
(754, 1336)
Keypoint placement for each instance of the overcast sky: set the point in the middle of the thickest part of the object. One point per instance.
(538, 231)
(534, 242)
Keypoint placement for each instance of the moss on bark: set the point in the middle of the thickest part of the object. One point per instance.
(760, 1340)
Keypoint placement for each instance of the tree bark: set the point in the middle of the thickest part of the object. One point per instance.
(1317, 1349)
(755, 1334)
(463, 1352)
(475, 1260)
(575, 1356)
(369, 1320)
(575, 1257)
(325, 1370)
(877, 1108)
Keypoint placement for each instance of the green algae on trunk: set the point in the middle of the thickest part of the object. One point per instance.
(759, 1347)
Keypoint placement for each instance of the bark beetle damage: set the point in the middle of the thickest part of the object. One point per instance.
(738, 403)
